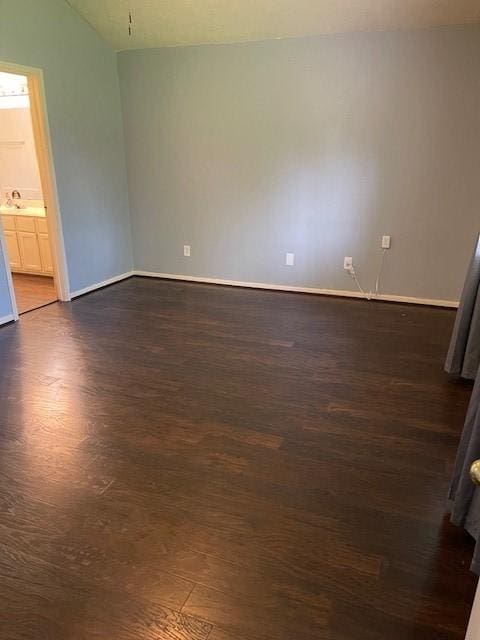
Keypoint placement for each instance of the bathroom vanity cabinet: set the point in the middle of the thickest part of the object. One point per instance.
(27, 241)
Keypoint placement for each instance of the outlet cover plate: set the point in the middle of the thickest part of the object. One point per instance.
(386, 241)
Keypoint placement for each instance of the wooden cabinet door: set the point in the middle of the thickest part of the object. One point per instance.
(29, 251)
(13, 249)
(45, 252)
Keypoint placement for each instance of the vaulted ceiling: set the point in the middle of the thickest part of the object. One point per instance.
(160, 23)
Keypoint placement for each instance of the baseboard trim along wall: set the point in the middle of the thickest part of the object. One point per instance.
(5, 319)
(100, 285)
(254, 285)
(280, 287)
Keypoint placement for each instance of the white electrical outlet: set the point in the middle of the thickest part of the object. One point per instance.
(347, 263)
(386, 241)
(290, 259)
(186, 250)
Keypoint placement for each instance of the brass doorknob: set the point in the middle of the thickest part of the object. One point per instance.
(475, 472)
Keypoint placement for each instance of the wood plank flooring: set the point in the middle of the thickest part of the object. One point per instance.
(32, 292)
(191, 462)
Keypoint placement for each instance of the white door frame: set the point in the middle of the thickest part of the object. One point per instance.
(43, 147)
(473, 631)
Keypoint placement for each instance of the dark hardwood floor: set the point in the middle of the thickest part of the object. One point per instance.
(190, 462)
(32, 292)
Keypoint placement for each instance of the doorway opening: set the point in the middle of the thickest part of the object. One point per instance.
(30, 232)
(22, 207)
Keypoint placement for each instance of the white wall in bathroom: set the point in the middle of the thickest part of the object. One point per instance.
(18, 161)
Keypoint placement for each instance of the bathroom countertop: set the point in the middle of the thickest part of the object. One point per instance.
(35, 212)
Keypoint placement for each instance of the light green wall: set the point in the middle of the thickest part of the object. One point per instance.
(317, 146)
(85, 121)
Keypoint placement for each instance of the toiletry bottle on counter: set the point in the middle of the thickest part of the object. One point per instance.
(17, 199)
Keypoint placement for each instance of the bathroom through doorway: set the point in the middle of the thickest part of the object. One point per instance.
(23, 213)
(28, 235)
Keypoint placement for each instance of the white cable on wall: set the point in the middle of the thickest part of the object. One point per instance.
(375, 293)
(353, 273)
(380, 271)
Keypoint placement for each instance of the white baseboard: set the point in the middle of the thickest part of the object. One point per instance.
(281, 287)
(430, 302)
(99, 285)
(8, 318)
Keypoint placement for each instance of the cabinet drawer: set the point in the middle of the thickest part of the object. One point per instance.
(25, 224)
(8, 223)
(42, 226)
